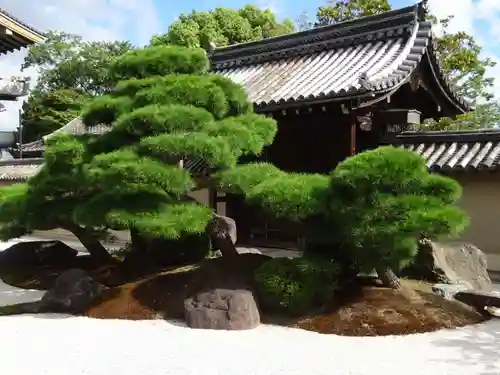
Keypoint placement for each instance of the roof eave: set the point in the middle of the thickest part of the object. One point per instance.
(19, 29)
(445, 87)
(307, 102)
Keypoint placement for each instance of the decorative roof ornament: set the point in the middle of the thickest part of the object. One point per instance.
(364, 81)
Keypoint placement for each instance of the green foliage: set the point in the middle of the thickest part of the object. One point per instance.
(291, 195)
(460, 60)
(371, 210)
(65, 61)
(70, 71)
(484, 116)
(44, 113)
(294, 286)
(223, 26)
(345, 10)
(200, 91)
(13, 207)
(161, 62)
(385, 200)
(158, 116)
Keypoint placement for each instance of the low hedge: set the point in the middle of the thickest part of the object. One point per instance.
(294, 286)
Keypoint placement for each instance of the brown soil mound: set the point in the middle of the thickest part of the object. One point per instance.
(377, 311)
(369, 310)
(163, 295)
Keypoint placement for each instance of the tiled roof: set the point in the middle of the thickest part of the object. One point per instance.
(363, 57)
(455, 151)
(19, 169)
(75, 127)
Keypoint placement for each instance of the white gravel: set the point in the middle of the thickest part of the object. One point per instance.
(62, 345)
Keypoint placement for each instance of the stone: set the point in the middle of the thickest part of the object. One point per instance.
(223, 227)
(451, 263)
(222, 232)
(248, 250)
(222, 309)
(240, 250)
(74, 292)
(478, 300)
(37, 253)
(448, 291)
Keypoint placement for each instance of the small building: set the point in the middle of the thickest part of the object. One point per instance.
(473, 159)
(15, 35)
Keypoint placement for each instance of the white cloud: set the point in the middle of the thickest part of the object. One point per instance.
(93, 19)
(275, 6)
(468, 16)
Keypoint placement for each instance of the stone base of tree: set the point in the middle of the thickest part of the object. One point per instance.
(222, 309)
(37, 253)
(451, 263)
(74, 292)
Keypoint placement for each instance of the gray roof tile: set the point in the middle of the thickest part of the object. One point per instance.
(367, 56)
(455, 151)
(18, 170)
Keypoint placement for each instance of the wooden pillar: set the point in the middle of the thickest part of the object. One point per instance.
(353, 130)
(212, 199)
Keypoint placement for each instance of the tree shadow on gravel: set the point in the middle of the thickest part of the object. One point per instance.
(479, 345)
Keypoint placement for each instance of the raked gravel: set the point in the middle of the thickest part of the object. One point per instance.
(65, 345)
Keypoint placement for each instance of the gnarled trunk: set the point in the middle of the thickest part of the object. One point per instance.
(388, 278)
(90, 242)
(222, 232)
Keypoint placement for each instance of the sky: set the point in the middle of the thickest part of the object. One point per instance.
(138, 20)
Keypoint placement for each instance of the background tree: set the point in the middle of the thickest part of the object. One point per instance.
(224, 26)
(344, 10)
(70, 71)
(44, 113)
(459, 56)
(66, 61)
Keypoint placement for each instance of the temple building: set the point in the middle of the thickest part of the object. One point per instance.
(336, 91)
(15, 35)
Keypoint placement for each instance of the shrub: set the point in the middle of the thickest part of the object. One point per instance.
(295, 285)
(385, 200)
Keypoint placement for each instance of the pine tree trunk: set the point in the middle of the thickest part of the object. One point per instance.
(388, 278)
(225, 245)
(91, 244)
(139, 244)
(219, 231)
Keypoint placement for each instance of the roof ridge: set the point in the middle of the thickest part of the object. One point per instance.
(444, 136)
(369, 26)
(25, 161)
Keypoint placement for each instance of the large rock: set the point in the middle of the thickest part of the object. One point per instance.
(74, 292)
(451, 263)
(222, 309)
(223, 227)
(37, 253)
(478, 300)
